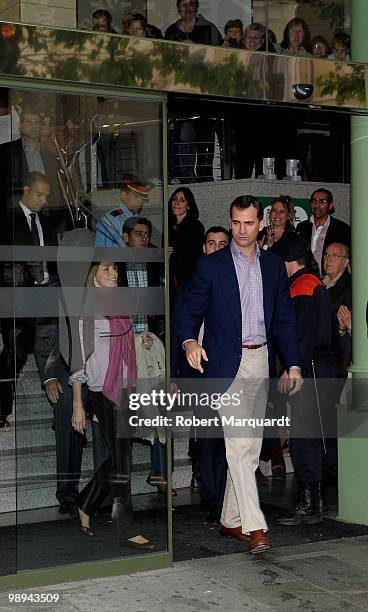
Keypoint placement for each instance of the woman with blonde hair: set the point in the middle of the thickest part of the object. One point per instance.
(281, 219)
(255, 37)
(108, 369)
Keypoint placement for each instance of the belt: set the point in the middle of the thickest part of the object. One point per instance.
(253, 346)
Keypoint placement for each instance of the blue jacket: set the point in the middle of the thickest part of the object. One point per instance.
(215, 297)
(109, 227)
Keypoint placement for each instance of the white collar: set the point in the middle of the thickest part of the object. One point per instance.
(26, 210)
(321, 227)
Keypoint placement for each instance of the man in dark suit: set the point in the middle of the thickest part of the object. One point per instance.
(324, 229)
(242, 295)
(69, 443)
(26, 226)
(19, 158)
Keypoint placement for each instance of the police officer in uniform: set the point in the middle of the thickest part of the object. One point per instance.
(109, 227)
(310, 409)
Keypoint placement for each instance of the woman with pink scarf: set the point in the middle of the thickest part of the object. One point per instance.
(109, 370)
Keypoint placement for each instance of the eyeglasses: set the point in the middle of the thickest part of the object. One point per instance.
(321, 201)
(334, 256)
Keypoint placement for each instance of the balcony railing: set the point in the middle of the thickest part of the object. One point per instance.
(306, 28)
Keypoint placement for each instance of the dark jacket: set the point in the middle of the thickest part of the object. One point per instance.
(313, 313)
(204, 32)
(215, 298)
(152, 32)
(187, 241)
(14, 230)
(338, 231)
(340, 293)
(14, 170)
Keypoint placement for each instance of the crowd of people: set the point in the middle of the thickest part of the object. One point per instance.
(238, 343)
(192, 27)
(265, 298)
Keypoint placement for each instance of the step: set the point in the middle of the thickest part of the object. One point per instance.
(29, 383)
(35, 406)
(35, 454)
(39, 492)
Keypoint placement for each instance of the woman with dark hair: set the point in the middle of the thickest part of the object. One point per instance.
(296, 39)
(186, 234)
(108, 367)
(281, 220)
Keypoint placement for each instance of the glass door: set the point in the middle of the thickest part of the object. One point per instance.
(83, 327)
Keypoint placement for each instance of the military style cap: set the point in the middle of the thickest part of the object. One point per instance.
(134, 184)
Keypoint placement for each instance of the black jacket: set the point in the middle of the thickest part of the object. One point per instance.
(14, 230)
(338, 231)
(313, 312)
(204, 32)
(340, 293)
(187, 242)
(14, 170)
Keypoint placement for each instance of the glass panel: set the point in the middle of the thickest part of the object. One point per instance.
(8, 501)
(98, 315)
(205, 24)
(296, 27)
(209, 141)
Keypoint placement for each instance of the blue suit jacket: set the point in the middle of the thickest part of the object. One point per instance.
(215, 298)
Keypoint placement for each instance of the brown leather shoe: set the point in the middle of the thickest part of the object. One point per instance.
(258, 541)
(234, 532)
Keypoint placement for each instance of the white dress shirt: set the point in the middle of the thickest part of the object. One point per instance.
(27, 212)
(318, 240)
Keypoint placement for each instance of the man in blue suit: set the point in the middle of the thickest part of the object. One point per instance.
(242, 294)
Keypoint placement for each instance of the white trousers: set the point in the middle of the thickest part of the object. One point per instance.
(243, 444)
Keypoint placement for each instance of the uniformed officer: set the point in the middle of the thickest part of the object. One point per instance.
(309, 408)
(109, 227)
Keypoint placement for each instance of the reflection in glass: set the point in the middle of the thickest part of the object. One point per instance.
(67, 160)
(297, 23)
(290, 24)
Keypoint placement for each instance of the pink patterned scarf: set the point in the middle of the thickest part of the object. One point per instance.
(122, 351)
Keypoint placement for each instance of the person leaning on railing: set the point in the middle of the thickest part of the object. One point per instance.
(192, 27)
(254, 38)
(296, 39)
(233, 34)
(135, 24)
